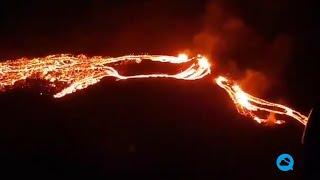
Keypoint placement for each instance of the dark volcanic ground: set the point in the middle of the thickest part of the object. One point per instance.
(140, 127)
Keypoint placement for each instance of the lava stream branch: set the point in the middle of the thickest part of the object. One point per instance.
(247, 104)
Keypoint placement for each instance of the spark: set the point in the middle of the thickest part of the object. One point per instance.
(249, 105)
(183, 57)
(79, 72)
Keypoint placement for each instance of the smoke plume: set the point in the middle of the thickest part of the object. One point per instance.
(241, 51)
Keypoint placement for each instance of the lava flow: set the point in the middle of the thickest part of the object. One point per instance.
(79, 72)
(247, 104)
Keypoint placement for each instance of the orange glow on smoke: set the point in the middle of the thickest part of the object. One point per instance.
(79, 72)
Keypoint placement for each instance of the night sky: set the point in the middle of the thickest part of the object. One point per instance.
(159, 127)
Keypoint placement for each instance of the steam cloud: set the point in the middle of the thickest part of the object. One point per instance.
(241, 51)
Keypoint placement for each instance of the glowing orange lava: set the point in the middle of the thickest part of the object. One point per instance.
(79, 72)
(249, 105)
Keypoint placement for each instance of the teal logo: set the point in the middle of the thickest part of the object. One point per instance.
(285, 162)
